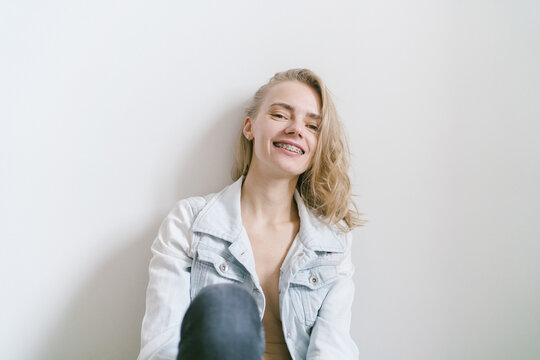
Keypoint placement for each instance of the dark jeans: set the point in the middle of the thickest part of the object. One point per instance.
(223, 323)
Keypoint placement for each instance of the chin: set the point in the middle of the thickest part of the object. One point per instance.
(290, 169)
(292, 172)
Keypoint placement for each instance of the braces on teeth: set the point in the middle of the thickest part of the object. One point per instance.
(290, 147)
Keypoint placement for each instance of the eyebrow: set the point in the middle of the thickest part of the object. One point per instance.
(290, 108)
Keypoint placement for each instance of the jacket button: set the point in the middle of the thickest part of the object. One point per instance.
(224, 267)
(313, 279)
(288, 334)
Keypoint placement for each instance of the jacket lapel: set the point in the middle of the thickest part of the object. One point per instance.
(222, 218)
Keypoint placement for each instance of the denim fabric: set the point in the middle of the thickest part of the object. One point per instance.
(202, 242)
(222, 323)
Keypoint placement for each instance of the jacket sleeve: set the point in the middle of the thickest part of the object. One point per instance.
(330, 336)
(168, 292)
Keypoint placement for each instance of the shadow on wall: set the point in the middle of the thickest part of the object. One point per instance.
(103, 320)
(208, 168)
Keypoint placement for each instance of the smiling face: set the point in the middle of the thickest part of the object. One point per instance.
(285, 130)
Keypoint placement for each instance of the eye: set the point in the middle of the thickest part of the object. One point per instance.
(313, 127)
(279, 116)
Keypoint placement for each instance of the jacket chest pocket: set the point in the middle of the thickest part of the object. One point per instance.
(309, 288)
(211, 267)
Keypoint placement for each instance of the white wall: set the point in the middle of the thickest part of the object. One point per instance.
(111, 111)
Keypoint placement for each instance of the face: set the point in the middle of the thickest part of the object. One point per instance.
(285, 130)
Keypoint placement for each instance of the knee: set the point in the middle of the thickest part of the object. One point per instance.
(224, 295)
(223, 319)
(225, 304)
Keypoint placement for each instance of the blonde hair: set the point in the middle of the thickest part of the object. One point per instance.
(325, 187)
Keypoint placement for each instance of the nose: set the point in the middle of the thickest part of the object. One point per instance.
(294, 127)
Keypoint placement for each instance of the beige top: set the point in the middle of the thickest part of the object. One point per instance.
(270, 247)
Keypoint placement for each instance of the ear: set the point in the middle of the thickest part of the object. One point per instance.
(248, 131)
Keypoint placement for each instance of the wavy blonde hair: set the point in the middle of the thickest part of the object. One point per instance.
(325, 186)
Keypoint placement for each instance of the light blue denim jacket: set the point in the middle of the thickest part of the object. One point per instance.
(202, 242)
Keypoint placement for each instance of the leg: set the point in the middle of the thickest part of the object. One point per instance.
(222, 323)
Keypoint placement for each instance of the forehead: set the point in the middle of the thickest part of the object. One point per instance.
(295, 93)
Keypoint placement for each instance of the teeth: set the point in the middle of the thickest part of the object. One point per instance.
(289, 147)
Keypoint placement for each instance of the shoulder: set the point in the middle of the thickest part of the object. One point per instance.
(187, 209)
(321, 235)
(175, 235)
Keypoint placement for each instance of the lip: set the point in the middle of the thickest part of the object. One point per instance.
(290, 143)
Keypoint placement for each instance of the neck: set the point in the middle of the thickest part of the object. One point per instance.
(267, 200)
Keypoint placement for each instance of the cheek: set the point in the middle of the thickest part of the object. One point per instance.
(312, 150)
(313, 144)
(261, 142)
(263, 129)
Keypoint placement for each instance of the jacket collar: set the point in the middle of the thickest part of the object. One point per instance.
(222, 218)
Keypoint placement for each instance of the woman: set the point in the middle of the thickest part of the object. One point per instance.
(265, 264)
